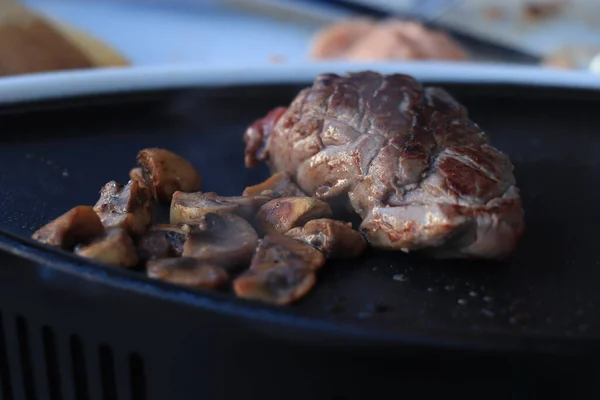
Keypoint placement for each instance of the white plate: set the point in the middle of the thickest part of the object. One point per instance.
(89, 82)
(153, 33)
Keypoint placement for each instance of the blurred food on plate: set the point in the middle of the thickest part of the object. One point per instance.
(539, 10)
(571, 57)
(31, 43)
(98, 52)
(369, 40)
(68, 34)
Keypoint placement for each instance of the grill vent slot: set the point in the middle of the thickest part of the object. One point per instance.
(7, 392)
(25, 354)
(78, 368)
(41, 363)
(51, 360)
(137, 377)
(107, 372)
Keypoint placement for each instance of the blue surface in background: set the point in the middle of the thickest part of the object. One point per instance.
(206, 32)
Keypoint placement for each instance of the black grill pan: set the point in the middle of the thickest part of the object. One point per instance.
(71, 329)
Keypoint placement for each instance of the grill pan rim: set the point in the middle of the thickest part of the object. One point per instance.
(64, 84)
(225, 304)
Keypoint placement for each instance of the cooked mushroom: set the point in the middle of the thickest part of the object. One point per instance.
(162, 241)
(278, 185)
(279, 286)
(80, 224)
(222, 239)
(188, 208)
(336, 239)
(187, 271)
(276, 250)
(281, 272)
(281, 215)
(128, 207)
(116, 248)
(165, 173)
(136, 174)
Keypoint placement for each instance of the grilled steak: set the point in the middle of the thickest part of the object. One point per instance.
(420, 174)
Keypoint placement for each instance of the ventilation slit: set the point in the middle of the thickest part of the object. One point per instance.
(78, 368)
(107, 372)
(137, 376)
(7, 392)
(25, 354)
(52, 368)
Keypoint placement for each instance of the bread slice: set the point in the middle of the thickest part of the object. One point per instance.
(30, 43)
(98, 52)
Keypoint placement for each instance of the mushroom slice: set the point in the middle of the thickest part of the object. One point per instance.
(280, 286)
(278, 185)
(128, 207)
(248, 205)
(80, 224)
(165, 173)
(116, 248)
(188, 272)
(336, 239)
(222, 239)
(281, 215)
(162, 241)
(136, 174)
(276, 250)
(188, 208)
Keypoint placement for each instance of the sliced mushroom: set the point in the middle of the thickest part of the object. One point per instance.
(187, 271)
(136, 174)
(162, 241)
(279, 286)
(188, 208)
(80, 224)
(152, 245)
(222, 239)
(116, 248)
(128, 207)
(281, 215)
(276, 250)
(165, 173)
(248, 205)
(336, 239)
(278, 185)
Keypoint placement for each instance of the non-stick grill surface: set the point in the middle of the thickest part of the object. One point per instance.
(57, 155)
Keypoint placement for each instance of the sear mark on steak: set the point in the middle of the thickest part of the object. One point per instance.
(418, 171)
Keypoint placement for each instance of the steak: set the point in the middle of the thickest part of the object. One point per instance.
(421, 175)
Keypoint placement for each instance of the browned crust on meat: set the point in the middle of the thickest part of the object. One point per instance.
(403, 154)
(257, 134)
